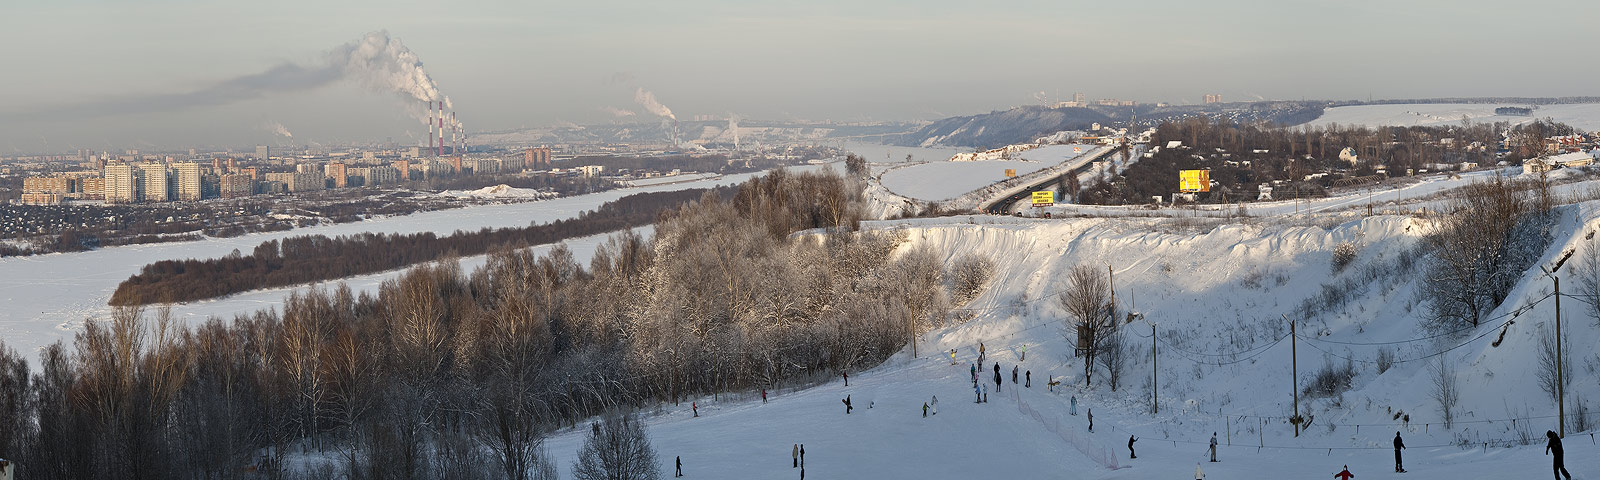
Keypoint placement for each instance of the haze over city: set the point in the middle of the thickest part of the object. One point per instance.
(108, 75)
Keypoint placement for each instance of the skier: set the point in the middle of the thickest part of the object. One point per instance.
(1213, 446)
(986, 393)
(935, 404)
(794, 454)
(763, 395)
(1398, 445)
(952, 356)
(680, 467)
(1024, 352)
(802, 459)
(846, 379)
(1132, 439)
(1028, 378)
(1013, 374)
(1091, 420)
(980, 348)
(978, 392)
(1074, 404)
(974, 375)
(695, 407)
(997, 379)
(1344, 474)
(1198, 475)
(924, 409)
(846, 404)
(1555, 444)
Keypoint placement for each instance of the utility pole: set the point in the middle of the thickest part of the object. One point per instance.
(1294, 362)
(1155, 381)
(1561, 384)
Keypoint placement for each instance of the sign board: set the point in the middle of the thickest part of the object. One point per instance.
(1194, 180)
(1011, 172)
(1044, 198)
(1077, 149)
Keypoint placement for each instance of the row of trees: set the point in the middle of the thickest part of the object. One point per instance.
(445, 373)
(313, 258)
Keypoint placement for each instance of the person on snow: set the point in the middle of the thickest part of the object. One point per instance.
(935, 404)
(794, 454)
(695, 407)
(1198, 475)
(1074, 404)
(1555, 444)
(802, 459)
(974, 375)
(1344, 474)
(763, 395)
(952, 356)
(1398, 445)
(846, 404)
(1091, 419)
(986, 393)
(680, 467)
(1014, 374)
(1024, 352)
(980, 348)
(978, 392)
(846, 379)
(1132, 439)
(997, 379)
(924, 409)
(1028, 377)
(1213, 446)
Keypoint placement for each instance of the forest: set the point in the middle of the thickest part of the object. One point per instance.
(314, 258)
(443, 373)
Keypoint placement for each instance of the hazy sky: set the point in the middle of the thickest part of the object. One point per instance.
(147, 73)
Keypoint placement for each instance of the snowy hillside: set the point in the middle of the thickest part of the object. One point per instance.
(1217, 294)
(1584, 116)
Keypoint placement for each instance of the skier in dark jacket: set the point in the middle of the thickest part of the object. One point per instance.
(1029, 377)
(997, 381)
(1555, 444)
(1132, 439)
(1398, 445)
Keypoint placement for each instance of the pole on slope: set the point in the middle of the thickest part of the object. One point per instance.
(1561, 394)
(1294, 362)
(1155, 381)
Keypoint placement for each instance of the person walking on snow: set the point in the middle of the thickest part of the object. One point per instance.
(763, 395)
(1074, 404)
(1014, 374)
(1344, 474)
(846, 404)
(952, 356)
(1213, 446)
(1198, 475)
(846, 379)
(1028, 376)
(980, 348)
(935, 404)
(1132, 439)
(924, 409)
(997, 379)
(1555, 444)
(695, 407)
(680, 467)
(1024, 353)
(802, 459)
(1091, 419)
(794, 454)
(986, 393)
(1398, 445)
(974, 376)
(978, 392)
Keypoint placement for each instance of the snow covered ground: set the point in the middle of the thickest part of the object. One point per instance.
(46, 298)
(1584, 116)
(1216, 297)
(500, 191)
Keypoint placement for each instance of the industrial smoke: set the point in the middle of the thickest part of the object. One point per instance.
(648, 101)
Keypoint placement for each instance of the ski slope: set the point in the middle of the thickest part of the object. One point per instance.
(1584, 116)
(1216, 296)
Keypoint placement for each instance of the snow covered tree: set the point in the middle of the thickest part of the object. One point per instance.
(616, 449)
(1087, 301)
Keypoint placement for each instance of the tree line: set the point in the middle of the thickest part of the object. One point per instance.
(446, 373)
(313, 258)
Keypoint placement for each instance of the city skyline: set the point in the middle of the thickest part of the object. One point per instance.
(163, 74)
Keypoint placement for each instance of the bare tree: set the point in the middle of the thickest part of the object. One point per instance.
(1445, 390)
(1548, 362)
(1086, 301)
(1587, 273)
(1112, 351)
(616, 449)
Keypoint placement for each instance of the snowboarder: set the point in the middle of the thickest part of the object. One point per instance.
(763, 395)
(680, 467)
(1213, 446)
(1398, 445)
(935, 404)
(1074, 404)
(924, 409)
(1132, 439)
(1198, 475)
(794, 454)
(846, 404)
(1028, 378)
(1013, 374)
(1558, 466)
(1344, 474)
(1091, 419)
(695, 407)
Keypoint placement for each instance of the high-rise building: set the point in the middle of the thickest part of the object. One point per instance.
(1078, 97)
(1211, 98)
(154, 187)
(122, 183)
(403, 168)
(536, 158)
(187, 179)
(237, 185)
(339, 172)
(263, 152)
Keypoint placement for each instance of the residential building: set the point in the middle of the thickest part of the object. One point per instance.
(186, 176)
(237, 185)
(263, 152)
(297, 182)
(122, 183)
(339, 172)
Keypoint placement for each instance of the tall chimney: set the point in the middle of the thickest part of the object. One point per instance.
(430, 124)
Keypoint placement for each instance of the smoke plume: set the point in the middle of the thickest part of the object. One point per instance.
(648, 101)
(617, 112)
(375, 61)
(277, 129)
(733, 126)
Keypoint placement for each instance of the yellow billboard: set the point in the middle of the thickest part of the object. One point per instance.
(1011, 172)
(1044, 198)
(1194, 180)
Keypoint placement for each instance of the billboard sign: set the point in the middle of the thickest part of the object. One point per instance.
(1011, 172)
(1194, 180)
(1044, 198)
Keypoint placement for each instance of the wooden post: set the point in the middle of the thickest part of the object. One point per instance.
(1561, 393)
(1155, 381)
(1294, 385)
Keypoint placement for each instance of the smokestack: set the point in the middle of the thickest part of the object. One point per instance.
(440, 150)
(455, 141)
(430, 125)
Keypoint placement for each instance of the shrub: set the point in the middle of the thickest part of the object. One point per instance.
(1343, 255)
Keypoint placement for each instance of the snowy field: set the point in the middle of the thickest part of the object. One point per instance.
(46, 298)
(1584, 116)
(877, 153)
(1215, 297)
(935, 181)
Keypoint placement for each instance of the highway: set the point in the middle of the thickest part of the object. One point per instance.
(1004, 205)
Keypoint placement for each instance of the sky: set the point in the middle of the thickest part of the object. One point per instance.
(170, 74)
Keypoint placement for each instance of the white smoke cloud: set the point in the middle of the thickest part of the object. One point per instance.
(617, 112)
(277, 129)
(733, 126)
(648, 101)
(376, 61)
